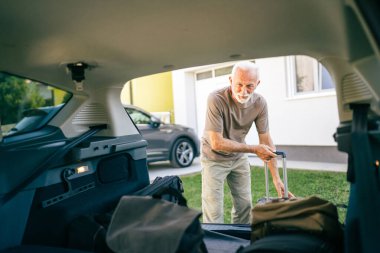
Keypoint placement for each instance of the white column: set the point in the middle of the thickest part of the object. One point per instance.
(184, 98)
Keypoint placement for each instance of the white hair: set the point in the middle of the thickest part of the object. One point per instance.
(246, 66)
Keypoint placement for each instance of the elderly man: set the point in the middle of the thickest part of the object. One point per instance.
(231, 112)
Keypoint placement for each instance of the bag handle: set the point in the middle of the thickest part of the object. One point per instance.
(171, 191)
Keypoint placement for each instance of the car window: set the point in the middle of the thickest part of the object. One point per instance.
(27, 105)
(138, 117)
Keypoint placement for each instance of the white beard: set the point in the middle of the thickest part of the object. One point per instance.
(241, 94)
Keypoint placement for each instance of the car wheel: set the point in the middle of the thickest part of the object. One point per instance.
(182, 153)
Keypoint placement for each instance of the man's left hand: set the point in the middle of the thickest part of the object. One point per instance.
(280, 188)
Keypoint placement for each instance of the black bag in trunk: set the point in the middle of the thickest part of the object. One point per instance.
(88, 231)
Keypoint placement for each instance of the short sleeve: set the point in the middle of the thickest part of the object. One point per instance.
(214, 115)
(262, 122)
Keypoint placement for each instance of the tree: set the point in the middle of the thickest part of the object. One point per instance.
(16, 96)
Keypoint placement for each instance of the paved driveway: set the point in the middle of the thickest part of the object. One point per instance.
(160, 169)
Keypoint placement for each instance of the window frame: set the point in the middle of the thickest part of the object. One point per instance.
(317, 78)
(141, 113)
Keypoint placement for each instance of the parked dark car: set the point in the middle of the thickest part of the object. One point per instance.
(176, 143)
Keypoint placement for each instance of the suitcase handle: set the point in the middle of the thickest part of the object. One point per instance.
(281, 153)
(285, 176)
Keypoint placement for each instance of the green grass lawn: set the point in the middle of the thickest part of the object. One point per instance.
(331, 186)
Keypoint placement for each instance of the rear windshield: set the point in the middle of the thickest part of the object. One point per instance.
(27, 105)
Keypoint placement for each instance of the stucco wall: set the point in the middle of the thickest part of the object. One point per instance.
(308, 120)
(153, 93)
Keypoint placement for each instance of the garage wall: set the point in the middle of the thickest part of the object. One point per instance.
(303, 120)
(185, 112)
(153, 93)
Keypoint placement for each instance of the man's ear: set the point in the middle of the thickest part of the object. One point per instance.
(230, 78)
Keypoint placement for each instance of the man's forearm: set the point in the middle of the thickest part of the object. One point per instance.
(227, 145)
(272, 164)
(233, 146)
(219, 143)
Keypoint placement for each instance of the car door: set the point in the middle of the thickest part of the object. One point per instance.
(150, 130)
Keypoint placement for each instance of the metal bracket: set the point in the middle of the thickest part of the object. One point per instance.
(70, 191)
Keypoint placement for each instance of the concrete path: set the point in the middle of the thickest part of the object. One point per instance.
(164, 169)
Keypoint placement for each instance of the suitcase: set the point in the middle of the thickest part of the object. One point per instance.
(293, 224)
(267, 198)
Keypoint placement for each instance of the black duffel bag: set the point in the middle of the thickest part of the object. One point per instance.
(150, 224)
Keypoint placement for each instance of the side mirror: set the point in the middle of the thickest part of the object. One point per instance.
(155, 123)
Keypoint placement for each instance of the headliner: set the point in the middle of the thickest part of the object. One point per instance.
(128, 39)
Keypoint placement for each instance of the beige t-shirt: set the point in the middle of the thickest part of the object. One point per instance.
(233, 120)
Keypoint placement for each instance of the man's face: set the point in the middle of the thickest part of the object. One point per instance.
(243, 84)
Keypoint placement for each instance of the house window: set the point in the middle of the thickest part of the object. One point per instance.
(215, 72)
(223, 71)
(307, 76)
(204, 75)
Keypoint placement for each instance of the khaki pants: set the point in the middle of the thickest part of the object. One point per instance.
(238, 176)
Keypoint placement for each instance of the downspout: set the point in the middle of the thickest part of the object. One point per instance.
(131, 92)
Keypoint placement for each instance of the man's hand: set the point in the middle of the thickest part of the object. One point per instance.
(264, 152)
(280, 188)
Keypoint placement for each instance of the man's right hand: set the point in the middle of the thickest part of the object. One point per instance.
(264, 152)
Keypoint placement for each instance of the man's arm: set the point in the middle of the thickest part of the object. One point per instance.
(219, 143)
(272, 164)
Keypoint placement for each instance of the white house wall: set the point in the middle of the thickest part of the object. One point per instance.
(184, 98)
(307, 121)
